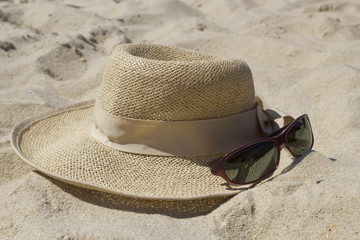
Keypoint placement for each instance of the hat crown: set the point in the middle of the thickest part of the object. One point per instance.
(145, 81)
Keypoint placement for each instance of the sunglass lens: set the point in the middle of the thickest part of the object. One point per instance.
(299, 137)
(252, 163)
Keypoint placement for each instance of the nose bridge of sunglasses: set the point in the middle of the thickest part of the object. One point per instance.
(216, 167)
(282, 140)
(280, 136)
(278, 132)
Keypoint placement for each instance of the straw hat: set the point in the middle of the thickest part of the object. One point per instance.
(162, 114)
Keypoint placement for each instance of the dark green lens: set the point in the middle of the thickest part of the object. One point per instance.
(252, 163)
(299, 137)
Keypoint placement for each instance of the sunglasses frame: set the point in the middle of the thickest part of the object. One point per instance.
(218, 166)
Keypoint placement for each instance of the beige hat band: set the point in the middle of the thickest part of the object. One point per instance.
(178, 138)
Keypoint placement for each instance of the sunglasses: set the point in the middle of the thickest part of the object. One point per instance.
(259, 159)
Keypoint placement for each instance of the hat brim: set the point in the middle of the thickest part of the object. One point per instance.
(58, 144)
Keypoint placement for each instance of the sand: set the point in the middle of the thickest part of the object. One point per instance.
(305, 58)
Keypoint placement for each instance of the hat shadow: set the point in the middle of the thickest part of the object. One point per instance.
(172, 208)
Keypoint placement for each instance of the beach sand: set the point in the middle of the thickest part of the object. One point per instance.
(304, 56)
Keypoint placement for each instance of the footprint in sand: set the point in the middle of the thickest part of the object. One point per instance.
(7, 46)
(63, 63)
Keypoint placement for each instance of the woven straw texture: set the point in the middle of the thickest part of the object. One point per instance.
(142, 82)
(61, 145)
(155, 82)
